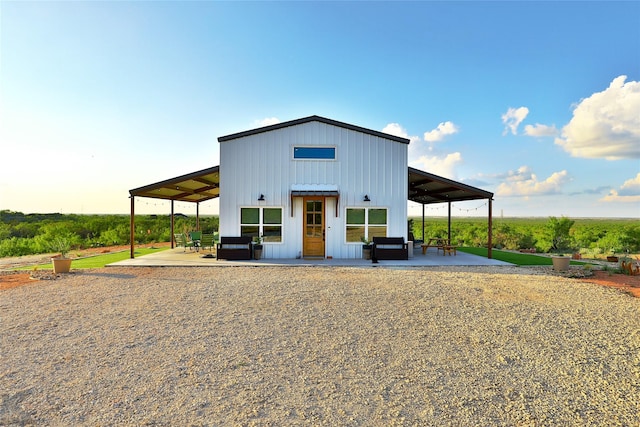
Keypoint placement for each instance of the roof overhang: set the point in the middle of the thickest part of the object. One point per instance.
(426, 188)
(302, 190)
(194, 187)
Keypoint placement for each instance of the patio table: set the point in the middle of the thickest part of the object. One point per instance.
(434, 241)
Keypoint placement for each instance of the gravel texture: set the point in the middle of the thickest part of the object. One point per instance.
(318, 346)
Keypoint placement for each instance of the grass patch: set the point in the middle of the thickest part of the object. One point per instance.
(513, 257)
(98, 261)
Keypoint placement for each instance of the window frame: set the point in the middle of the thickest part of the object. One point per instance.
(261, 224)
(366, 225)
(321, 159)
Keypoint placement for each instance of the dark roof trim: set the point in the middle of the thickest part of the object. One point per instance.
(312, 119)
(182, 188)
(304, 193)
(193, 175)
(447, 190)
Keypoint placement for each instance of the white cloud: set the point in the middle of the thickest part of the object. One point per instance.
(540, 130)
(606, 124)
(439, 165)
(397, 130)
(512, 119)
(267, 121)
(629, 192)
(525, 183)
(631, 187)
(439, 133)
(421, 152)
(523, 173)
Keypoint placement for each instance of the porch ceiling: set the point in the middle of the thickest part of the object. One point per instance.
(193, 187)
(426, 188)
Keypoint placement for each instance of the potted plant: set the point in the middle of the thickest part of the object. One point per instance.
(257, 247)
(612, 257)
(62, 244)
(366, 248)
(560, 262)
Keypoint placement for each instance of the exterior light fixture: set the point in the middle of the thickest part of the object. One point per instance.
(261, 198)
(366, 198)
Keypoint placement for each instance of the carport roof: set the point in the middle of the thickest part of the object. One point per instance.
(424, 188)
(193, 187)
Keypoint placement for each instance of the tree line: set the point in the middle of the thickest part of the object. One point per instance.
(585, 235)
(25, 234)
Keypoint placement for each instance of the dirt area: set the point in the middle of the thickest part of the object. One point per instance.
(10, 278)
(623, 282)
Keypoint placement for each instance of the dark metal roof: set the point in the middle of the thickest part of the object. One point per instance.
(426, 188)
(312, 119)
(303, 193)
(193, 187)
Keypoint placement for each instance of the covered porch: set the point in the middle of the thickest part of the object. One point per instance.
(197, 187)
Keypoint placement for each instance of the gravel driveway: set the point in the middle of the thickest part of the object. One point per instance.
(318, 346)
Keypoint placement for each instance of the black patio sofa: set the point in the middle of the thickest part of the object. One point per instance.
(389, 248)
(234, 248)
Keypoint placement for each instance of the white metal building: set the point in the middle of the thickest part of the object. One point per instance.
(313, 187)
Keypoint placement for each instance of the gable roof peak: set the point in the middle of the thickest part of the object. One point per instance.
(314, 118)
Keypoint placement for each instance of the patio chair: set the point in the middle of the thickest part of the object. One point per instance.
(207, 241)
(196, 237)
(181, 240)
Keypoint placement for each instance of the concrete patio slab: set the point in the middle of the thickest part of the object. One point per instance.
(178, 257)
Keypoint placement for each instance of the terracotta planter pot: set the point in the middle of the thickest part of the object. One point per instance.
(61, 265)
(560, 263)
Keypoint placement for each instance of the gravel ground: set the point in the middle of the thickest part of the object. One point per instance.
(318, 346)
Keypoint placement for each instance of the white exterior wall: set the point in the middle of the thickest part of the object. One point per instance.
(263, 164)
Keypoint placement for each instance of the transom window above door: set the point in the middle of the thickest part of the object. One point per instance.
(302, 152)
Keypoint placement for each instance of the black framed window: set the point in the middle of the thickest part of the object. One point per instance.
(318, 153)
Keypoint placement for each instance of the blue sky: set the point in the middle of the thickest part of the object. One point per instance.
(538, 102)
